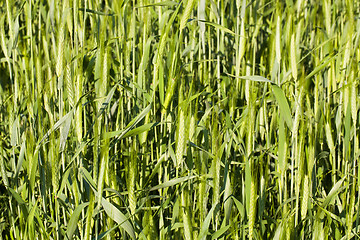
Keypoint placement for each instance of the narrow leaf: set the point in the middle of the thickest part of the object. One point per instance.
(222, 28)
(136, 120)
(133, 132)
(118, 217)
(57, 125)
(205, 225)
(72, 224)
(283, 105)
(254, 78)
(220, 232)
(172, 182)
(161, 4)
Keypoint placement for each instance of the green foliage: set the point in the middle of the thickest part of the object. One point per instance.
(186, 119)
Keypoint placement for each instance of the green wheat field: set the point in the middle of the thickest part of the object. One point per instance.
(192, 119)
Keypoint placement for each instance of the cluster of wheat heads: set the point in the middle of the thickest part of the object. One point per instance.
(192, 119)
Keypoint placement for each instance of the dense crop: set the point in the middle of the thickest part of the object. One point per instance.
(193, 119)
